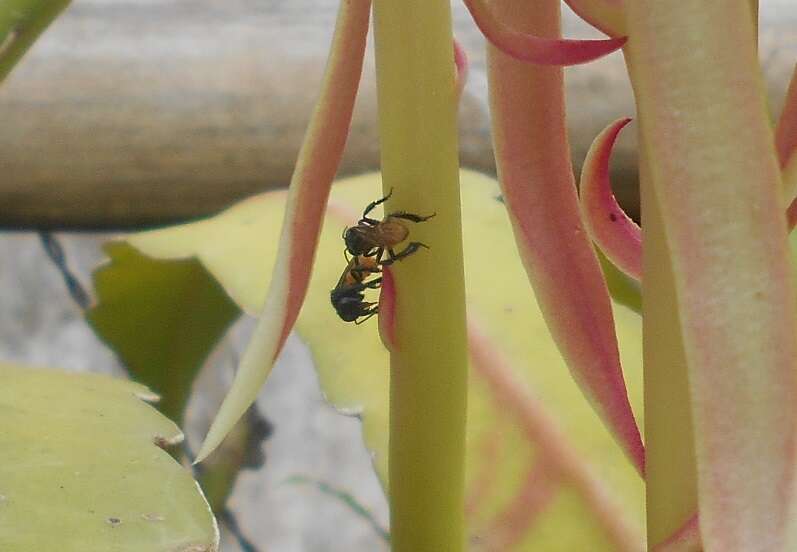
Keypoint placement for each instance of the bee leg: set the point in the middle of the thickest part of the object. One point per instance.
(362, 272)
(373, 204)
(410, 216)
(365, 272)
(373, 284)
(409, 250)
(377, 253)
(372, 311)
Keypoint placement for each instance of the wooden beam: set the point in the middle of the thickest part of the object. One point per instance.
(129, 114)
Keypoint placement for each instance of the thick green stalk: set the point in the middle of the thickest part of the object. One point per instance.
(671, 477)
(428, 383)
(21, 22)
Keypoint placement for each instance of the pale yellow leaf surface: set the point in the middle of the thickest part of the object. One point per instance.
(238, 248)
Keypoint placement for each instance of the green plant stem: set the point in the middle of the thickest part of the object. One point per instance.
(670, 467)
(21, 23)
(671, 476)
(428, 382)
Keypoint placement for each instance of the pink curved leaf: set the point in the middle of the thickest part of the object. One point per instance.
(534, 169)
(541, 429)
(307, 198)
(534, 49)
(605, 15)
(619, 237)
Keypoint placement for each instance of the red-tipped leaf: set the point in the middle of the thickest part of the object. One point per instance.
(535, 49)
(315, 169)
(534, 169)
(617, 235)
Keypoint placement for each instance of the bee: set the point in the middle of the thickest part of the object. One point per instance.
(348, 297)
(371, 237)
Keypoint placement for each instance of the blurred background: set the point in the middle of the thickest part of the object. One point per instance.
(129, 114)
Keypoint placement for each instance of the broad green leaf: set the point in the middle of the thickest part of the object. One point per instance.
(163, 319)
(82, 470)
(238, 248)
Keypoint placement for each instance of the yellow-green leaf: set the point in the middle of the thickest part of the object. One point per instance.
(596, 503)
(82, 470)
(162, 318)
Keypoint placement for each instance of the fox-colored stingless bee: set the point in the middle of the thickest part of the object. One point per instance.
(372, 238)
(348, 297)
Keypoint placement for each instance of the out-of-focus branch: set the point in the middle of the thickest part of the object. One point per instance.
(99, 131)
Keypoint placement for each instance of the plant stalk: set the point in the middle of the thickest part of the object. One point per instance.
(671, 473)
(671, 477)
(671, 482)
(717, 292)
(428, 382)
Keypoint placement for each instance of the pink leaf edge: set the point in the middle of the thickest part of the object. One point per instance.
(685, 539)
(387, 310)
(786, 128)
(786, 145)
(534, 49)
(617, 235)
(791, 215)
(315, 170)
(462, 67)
(535, 173)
